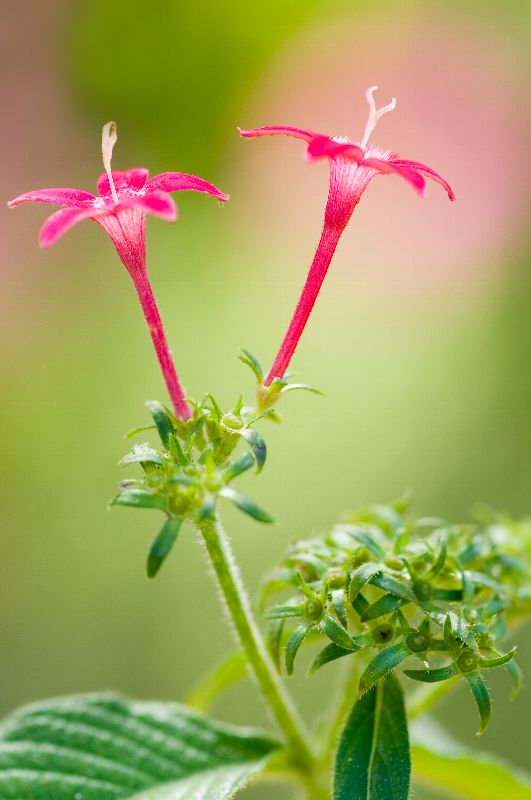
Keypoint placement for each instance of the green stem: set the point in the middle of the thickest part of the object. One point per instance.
(426, 696)
(231, 585)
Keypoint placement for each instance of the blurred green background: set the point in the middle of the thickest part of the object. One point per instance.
(420, 338)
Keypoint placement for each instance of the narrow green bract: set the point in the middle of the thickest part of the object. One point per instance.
(372, 761)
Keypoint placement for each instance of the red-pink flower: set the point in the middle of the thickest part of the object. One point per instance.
(125, 198)
(352, 167)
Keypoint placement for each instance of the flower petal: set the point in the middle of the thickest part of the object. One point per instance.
(416, 165)
(74, 198)
(278, 130)
(180, 181)
(134, 179)
(326, 147)
(158, 203)
(391, 168)
(61, 222)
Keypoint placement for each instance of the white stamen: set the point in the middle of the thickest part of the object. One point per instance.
(109, 135)
(374, 113)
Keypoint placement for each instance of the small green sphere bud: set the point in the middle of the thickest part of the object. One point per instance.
(418, 642)
(313, 609)
(232, 421)
(467, 661)
(335, 578)
(383, 633)
(361, 556)
(394, 563)
(422, 589)
(485, 641)
(213, 483)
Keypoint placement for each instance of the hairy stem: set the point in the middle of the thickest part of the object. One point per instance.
(231, 585)
(156, 329)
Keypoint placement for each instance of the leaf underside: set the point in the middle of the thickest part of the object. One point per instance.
(372, 761)
(103, 747)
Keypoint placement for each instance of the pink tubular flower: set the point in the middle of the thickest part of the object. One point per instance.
(352, 167)
(125, 198)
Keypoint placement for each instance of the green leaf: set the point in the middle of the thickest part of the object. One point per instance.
(372, 761)
(246, 504)
(140, 498)
(446, 765)
(253, 364)
(162, 421)
(257, 445)
(384, 662)
(393, 586)
(162, 545)
(103, 747)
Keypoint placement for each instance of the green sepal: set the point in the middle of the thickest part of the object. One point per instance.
(285, 611)
(218, 412)
(331, 652)
(497, 661)
(338, 601)
(250, 361)
(140, 498)
(245, 504)
(516, 677)
(196, 430)
(481, 696)
(139, 429)
(176, 451)
(360, 577)
(432, 675)
(294, 642)
(440, 560)
(162, 545)
(382, 664)
(235, 468)
(392, 585)
(142, 454)
(336, 633)
(386, 604)
(274, 636)
(290, 387)
(449, 595)
(162, 421)
(257, 444)
(363, 538)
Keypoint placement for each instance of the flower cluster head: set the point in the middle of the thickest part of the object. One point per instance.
(405, 589)
(124, 199)
(352, 167)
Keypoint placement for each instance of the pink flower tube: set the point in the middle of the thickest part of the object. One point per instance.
(352, 167)
(124, 199)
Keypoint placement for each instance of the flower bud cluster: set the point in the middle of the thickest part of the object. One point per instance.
(405, 589)
(194, 468)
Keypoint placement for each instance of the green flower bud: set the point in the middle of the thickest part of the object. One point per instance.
(383, 633)
(467, 661)
(313, 609)
(422, 589)
(232, 421)
(418, 642)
